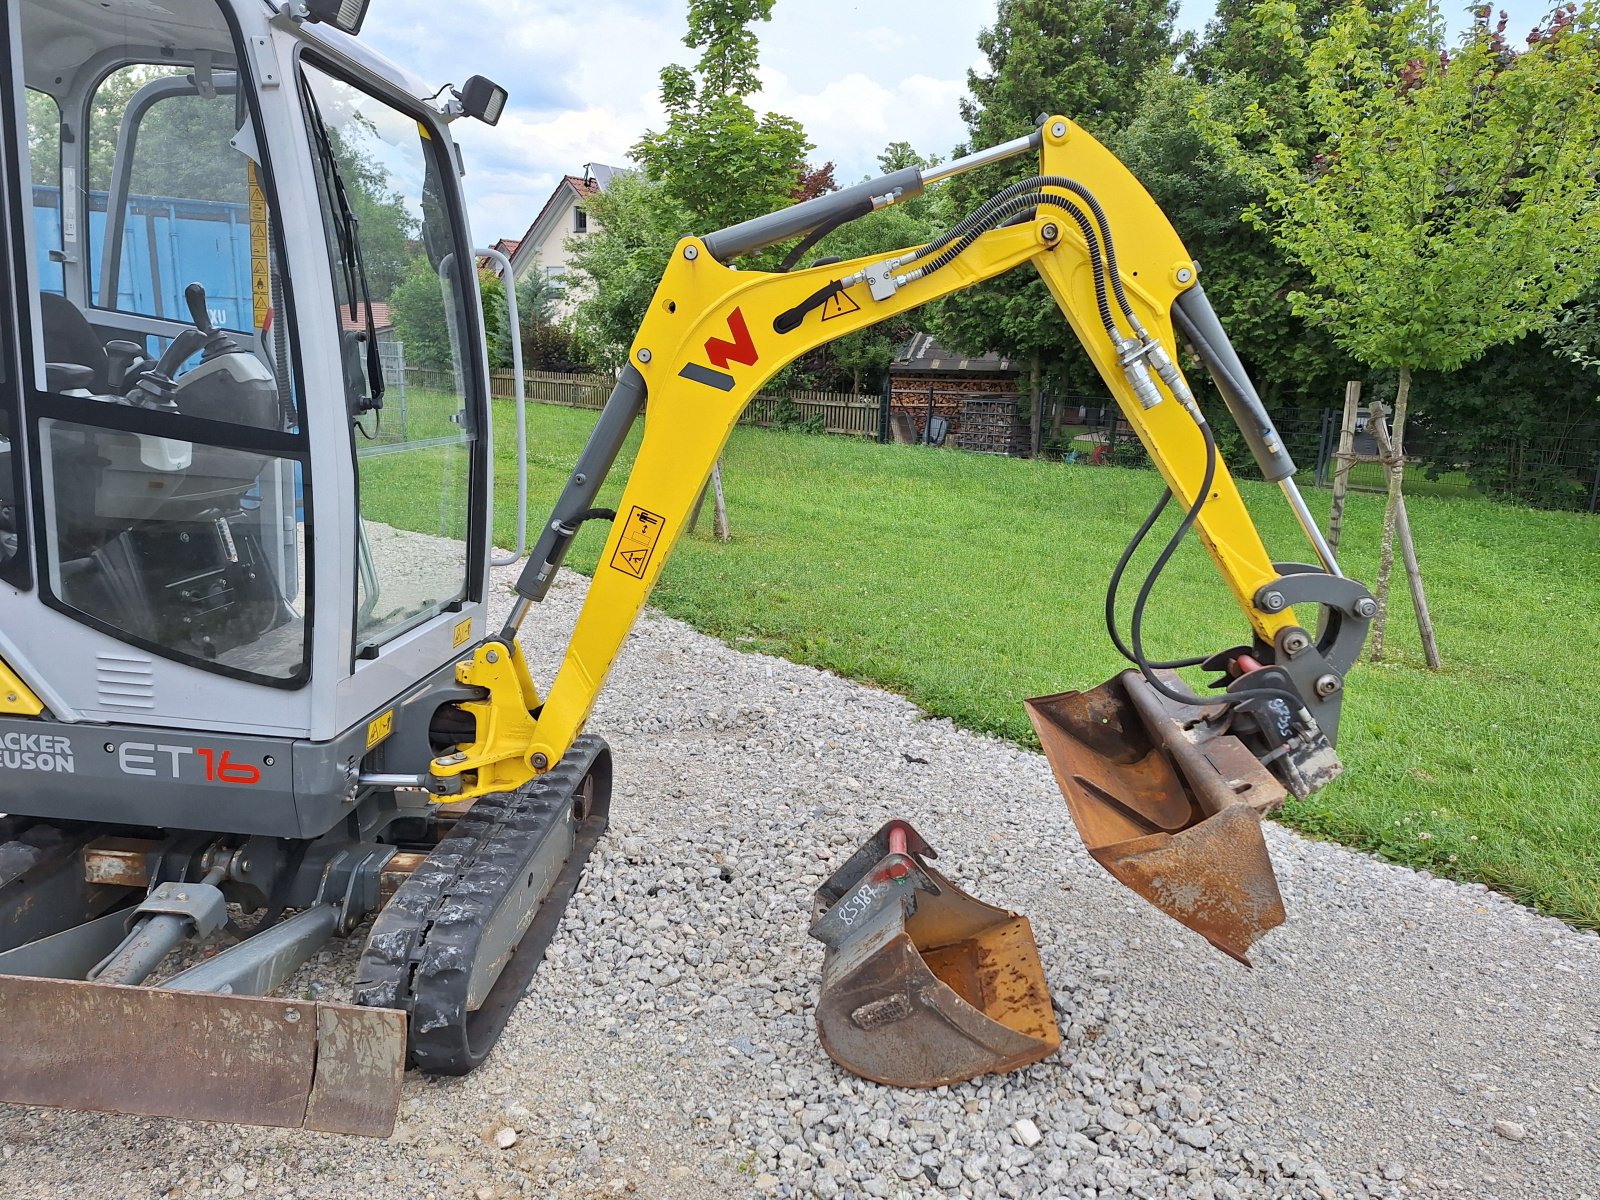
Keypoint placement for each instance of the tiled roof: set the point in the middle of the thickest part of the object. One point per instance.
(382, 317)
(922, 353)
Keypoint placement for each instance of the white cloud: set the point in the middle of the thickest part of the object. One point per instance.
(583, 74)
(582, 78)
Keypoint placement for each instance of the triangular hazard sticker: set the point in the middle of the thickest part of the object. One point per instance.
(838, 305)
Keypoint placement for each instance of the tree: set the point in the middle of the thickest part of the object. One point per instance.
(1238, 61)
(1458, 198)
(1082, 58)
(420, 320)
(1293, 363)
(614, 271)
(716, 159)
(496, 318)
(44, 139)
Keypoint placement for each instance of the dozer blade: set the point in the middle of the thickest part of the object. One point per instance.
(922, 984)
(201, 1056)
(1168, 805)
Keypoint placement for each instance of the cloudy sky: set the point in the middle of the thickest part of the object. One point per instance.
(582, 75)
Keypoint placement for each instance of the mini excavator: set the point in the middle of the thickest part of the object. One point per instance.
(243, 699)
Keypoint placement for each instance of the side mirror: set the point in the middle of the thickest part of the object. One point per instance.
(483, 99)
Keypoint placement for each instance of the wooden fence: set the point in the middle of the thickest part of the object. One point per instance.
(840, 412)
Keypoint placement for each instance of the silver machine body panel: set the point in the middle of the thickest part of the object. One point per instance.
(88, 676)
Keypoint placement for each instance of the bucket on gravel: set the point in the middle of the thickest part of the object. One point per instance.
(1168, 802)
(923, 984)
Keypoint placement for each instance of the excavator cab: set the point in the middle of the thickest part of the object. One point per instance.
(228, 658)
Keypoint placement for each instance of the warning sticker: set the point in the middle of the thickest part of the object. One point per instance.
(379, 728)
(839, 304)
(640, 533)
(260, 269)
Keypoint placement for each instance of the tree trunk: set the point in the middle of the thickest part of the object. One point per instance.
(1341, 472)
(719, 522)
(1396, 465)
(1036, 415)
(1408, 551)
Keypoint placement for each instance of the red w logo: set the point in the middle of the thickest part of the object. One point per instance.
(741, 350)
(721, 352)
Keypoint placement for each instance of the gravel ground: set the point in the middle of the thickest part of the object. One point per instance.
(1399, 1036)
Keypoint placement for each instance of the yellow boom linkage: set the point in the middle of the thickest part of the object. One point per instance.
(1166, 789)
(708, 316)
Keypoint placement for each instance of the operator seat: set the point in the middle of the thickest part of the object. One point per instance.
(69, 338)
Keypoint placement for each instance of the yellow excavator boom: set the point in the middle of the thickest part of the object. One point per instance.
(1166, 787)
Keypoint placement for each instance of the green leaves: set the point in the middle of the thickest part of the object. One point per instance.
(1456, 194)
(716, 159)
(1083, 58)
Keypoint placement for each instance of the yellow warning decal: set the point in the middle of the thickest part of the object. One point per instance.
(640, 533)
(463, 633)
(839, 304)
(260, 262)
(16, 698)
(380, 727)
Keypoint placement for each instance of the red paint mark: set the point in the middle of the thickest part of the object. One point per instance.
(741, 350)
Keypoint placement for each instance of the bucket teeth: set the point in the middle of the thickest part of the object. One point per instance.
(923, 984)
(1168, 804)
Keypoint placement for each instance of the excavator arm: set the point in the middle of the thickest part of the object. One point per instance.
(1166, 787)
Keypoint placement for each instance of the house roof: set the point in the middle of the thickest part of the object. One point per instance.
(923, 354)
(382, 317)
(572, 188)
(506, 246)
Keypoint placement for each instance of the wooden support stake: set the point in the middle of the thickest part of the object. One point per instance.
(1378, 423)
(1341, 474)
(719, 521)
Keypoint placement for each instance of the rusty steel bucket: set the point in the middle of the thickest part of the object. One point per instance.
(923, 984)
(1169, 804)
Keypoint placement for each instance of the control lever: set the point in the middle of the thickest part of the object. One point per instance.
(123, 357)
(217, 341)
(179, 351)
(195, 297)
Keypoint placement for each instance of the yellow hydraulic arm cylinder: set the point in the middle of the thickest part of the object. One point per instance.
(713, 335)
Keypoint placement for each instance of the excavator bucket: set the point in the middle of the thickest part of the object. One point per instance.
(1168, 804)
(922, 984)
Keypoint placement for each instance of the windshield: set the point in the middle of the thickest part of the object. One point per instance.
(406, 342)
(158, 395)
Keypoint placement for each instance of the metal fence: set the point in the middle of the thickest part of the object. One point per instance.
(828, 412)
(1559, 471)
(1556, 471)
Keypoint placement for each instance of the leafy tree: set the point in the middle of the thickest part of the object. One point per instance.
(496, 318)
(716, 160)
(1517, 421)
(44, 139)
(614, 271)
(420, 321)
(388, 229)
(1575, 333)
(1082, 58)
(1294, 363)
(1458, 199)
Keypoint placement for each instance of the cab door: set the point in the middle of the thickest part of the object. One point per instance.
(410, 353)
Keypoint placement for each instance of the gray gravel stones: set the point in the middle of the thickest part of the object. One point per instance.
(667, 1045)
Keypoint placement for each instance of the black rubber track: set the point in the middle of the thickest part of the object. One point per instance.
(423, 945)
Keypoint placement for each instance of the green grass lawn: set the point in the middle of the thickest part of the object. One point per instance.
(968, 583)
